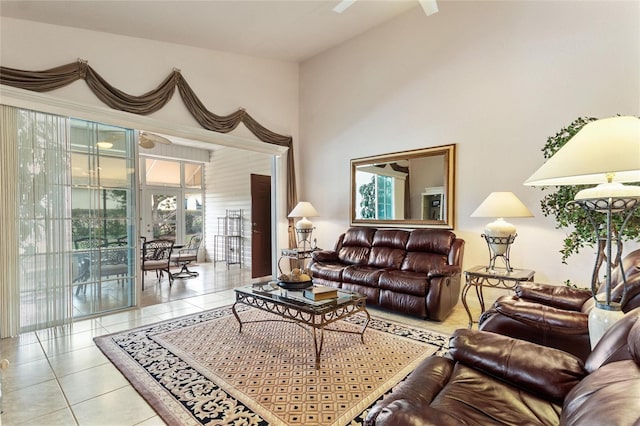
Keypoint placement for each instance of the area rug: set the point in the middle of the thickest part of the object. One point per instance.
(199, 369)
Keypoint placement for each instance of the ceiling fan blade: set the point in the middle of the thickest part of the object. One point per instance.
(149, 140)
(343, 5)
(429, 6)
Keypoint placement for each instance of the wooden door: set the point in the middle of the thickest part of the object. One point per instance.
(261, 226)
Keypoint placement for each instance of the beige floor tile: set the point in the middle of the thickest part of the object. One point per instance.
(123, 406)
(62, 417)
(32, 402)
(92, 382)
(78, 360)
(20, 354)
(71, 342)
(153, 421)
(19, 376)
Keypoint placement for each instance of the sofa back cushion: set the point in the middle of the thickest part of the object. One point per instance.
(427, 249)
(356, 245)
(388, 248)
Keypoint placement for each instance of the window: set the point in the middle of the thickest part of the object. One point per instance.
(164, 183)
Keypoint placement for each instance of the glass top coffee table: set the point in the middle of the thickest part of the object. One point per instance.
(292, 306)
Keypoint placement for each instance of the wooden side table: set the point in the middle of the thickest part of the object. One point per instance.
(479, 277)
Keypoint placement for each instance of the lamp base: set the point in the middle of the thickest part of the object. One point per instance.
(601, 318)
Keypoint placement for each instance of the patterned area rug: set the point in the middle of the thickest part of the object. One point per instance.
(198, 369)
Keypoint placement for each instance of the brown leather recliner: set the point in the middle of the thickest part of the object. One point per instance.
(557, 316)
(497, 380)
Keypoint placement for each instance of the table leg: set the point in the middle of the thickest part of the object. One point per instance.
(364, 327)
(465, 290)
(318, 345)
(235, 313)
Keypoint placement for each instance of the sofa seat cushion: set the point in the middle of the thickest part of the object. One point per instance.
(362, 274)
(407, 282)
(475, 398)
(327, 271)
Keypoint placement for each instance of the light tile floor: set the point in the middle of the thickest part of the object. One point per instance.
(60, 377)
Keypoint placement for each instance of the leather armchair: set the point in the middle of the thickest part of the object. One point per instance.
(491, 379)
(557, 316)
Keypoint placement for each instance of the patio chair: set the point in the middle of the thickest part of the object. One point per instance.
(156, 256)
(83, 259)
(185, 255)
(113, 260)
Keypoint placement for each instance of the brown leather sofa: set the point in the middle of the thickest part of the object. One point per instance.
(557, 316)
(497, 380)
(415, 272)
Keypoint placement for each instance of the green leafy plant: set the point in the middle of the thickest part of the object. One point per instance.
(554, 203)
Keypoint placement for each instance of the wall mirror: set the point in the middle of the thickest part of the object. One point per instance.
(410, 189)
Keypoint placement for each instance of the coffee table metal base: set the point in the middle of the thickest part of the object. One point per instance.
(314, 323)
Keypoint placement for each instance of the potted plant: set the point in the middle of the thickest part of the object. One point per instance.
(574, 220)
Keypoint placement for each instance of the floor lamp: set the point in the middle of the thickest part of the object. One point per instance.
(604, 152)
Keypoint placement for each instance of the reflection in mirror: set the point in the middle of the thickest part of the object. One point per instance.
(405, 189)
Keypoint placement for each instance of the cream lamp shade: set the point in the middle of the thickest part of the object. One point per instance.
(501, 205)
(605, 152)
(304, 209)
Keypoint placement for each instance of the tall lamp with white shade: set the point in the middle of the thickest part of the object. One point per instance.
(500, 234)
(304, 227)
(605, 152)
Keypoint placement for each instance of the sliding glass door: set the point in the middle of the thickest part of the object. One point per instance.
(70, 216)
(103, 217)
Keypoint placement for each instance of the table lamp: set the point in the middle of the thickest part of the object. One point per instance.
(604, 152)
(304, 227)
(500, 234)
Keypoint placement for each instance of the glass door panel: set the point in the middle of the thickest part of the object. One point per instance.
(162, 215)
(192, 215)
(103, 215)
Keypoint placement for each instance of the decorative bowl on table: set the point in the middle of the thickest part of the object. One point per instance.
(296, 280)
(295, 285)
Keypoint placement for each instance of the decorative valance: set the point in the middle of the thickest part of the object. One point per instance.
(152, 101)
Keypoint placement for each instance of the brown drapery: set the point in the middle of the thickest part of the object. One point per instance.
(58, 77)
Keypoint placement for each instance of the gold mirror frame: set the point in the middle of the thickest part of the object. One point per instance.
(429, 175)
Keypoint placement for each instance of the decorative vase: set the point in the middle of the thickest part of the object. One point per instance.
(601, 318)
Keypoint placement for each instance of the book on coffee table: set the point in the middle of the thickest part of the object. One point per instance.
(320, 292)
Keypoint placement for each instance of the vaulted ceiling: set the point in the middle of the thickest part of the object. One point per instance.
(292, 30)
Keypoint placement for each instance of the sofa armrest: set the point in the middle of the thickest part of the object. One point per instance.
(543, 371)
(324, 256)
(444, 271)
(558, 296)
(409, 403)
(543, 317)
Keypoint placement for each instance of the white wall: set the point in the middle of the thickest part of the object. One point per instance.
(496, 78)
(224, 82)
(228, 187)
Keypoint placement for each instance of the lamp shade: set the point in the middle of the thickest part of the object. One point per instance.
(603, 150)
(304, 209)
(502, 204)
